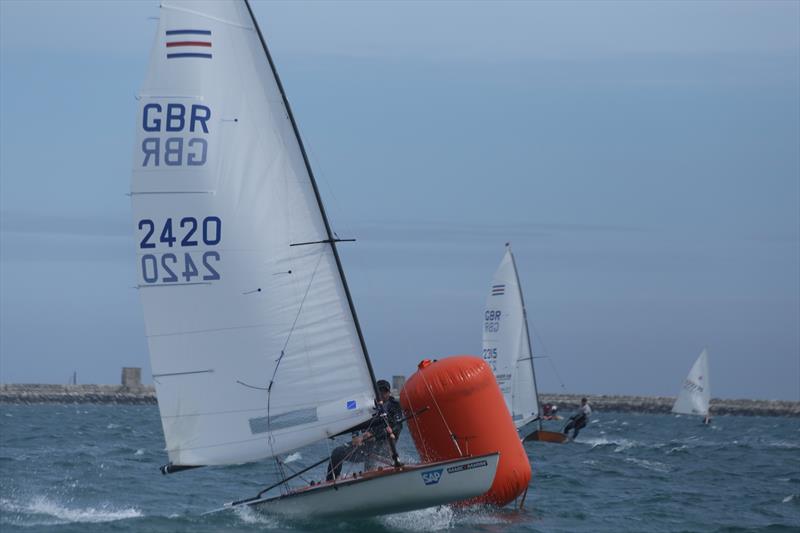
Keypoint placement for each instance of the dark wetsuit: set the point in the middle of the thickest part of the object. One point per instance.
(372, 449)
(578, 421)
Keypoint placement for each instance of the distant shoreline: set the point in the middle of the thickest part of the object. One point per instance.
(146, 395)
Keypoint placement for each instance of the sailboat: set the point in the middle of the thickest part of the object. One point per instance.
(255, 346)
(695, 395)
(507, 349)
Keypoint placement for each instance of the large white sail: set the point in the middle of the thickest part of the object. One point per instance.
(506, 342)
(253, 345)
(695, 394)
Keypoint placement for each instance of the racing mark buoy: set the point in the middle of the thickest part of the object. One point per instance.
(466, 415)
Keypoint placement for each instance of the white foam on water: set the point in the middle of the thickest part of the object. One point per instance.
(483, 516)
(789, 498)
(677, 449)
(248, 515)
(621, 444)
(649, 465)
(54, 512)
(430, 519)
(789, 445)
(293, 457)
(112, 426)
(140, 451)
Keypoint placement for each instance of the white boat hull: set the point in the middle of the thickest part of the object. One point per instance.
(389, 491)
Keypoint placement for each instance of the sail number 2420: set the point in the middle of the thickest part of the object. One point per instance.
(177, 250)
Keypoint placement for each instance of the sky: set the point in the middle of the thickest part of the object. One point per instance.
(642, 158)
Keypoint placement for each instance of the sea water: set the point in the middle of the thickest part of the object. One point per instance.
(95, 468)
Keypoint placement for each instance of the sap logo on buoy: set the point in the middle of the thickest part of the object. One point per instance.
(432, 477)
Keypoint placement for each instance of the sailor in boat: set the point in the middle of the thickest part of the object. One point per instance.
(372, 445)
(579, 420)
(550, 412)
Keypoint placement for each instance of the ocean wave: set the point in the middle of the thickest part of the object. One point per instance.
(620, 444)
(44, 511)
(677, 449)
(293, 457)
(248, 515)
(649, 465)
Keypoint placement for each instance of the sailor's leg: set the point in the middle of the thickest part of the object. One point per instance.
(338, 456)
(374, 454)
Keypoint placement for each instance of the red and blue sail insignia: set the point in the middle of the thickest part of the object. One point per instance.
(498, 290)
(188, 43)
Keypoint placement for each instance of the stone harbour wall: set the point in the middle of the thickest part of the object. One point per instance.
(105, 394)
(567, 403)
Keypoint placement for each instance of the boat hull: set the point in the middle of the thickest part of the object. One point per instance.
(389, 491)
(547, 436)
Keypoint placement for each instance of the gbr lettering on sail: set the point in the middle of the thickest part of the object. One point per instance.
(175, 134)
(181, 246)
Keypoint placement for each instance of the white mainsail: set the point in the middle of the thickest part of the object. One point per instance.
(695, 394)
(506, 342)
(254, 347)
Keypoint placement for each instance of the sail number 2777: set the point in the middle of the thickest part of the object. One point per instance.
(178, 250)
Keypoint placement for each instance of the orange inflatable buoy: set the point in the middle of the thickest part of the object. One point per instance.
(465, 414)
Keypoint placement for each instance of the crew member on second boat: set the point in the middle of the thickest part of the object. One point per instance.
(373, 443)
(579, 420)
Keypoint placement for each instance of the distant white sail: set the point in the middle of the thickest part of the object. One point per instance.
(253, 345)
(695, 394)
(506, 342)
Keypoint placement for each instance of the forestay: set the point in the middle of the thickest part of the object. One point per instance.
(221, 193)
(506, 342)
(695, 394)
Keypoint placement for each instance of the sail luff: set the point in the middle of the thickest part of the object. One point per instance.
(331, 239)
(527, 336)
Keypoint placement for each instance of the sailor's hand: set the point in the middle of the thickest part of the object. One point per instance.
(357, 440)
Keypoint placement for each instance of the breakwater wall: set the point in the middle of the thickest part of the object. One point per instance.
(105, 394)
(567, 403)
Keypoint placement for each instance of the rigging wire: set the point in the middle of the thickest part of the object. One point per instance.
(546, 351)
(270, 438)
(447, 427)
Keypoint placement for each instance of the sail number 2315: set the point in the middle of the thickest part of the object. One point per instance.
(177, 250)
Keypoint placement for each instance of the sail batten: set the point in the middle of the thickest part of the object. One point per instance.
(236, 296)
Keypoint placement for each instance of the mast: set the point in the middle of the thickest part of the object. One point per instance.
(527, 334)
(331, 239)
